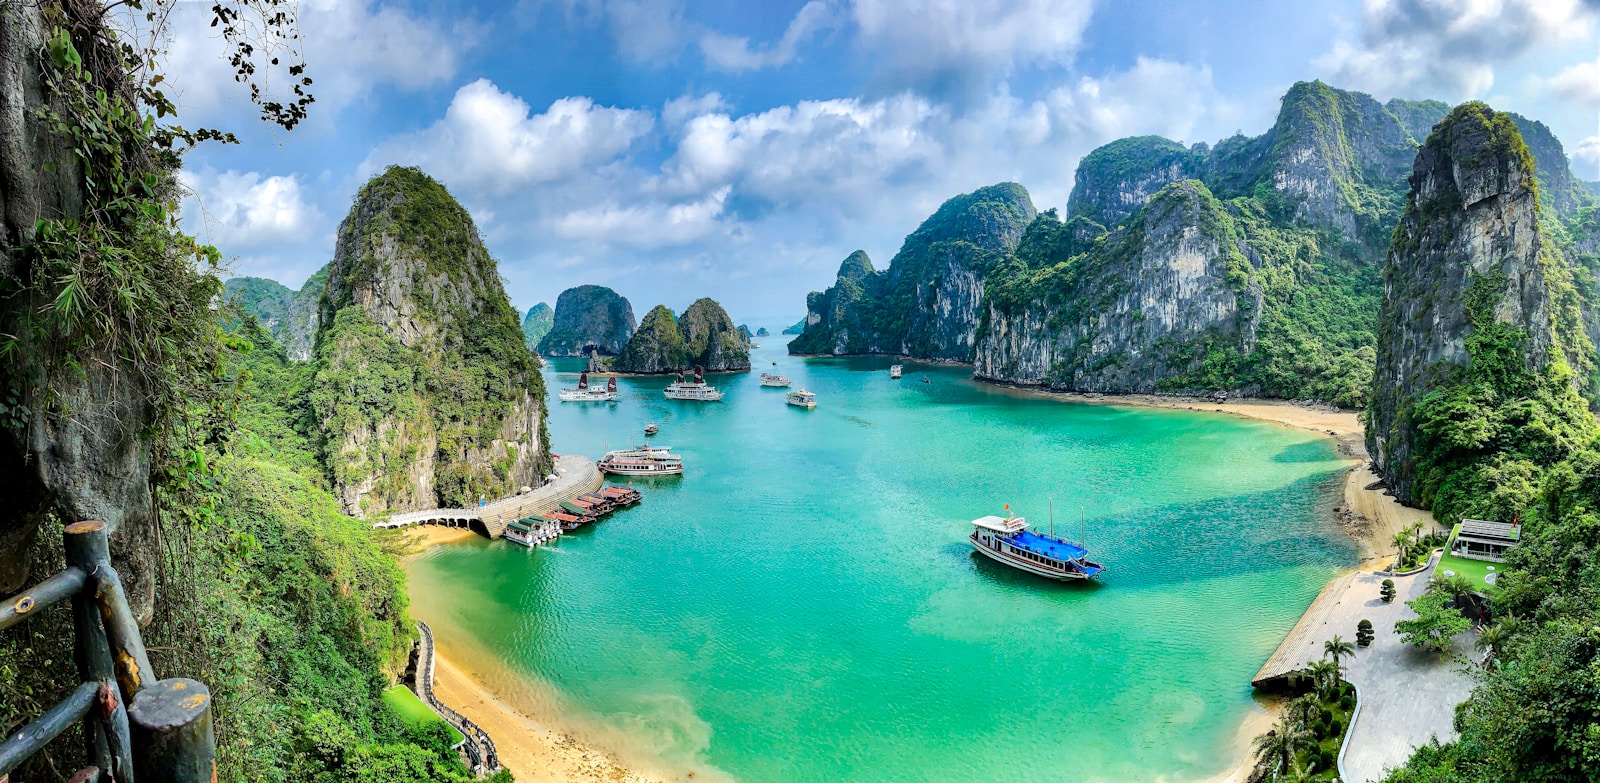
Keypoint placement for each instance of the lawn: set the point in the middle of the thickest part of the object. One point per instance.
(1473, 570)
(414, 712)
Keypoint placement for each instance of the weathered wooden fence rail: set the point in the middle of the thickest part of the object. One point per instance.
(135, 727)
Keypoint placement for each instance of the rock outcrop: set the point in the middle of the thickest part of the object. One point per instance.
(705, 336)
(424, 390)
(588, 317)
(290, 316)
(1147, 308)
(536, 324)
(928, 302)
(77, 418)
(1469, 253)
(1114, 181)
(798, 327)
(762, 332)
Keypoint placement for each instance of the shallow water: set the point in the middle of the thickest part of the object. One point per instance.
(802, 604)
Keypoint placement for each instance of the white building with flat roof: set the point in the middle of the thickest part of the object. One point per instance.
(1476, 539)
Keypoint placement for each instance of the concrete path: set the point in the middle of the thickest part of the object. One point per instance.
(1407, 695)
(575, 475)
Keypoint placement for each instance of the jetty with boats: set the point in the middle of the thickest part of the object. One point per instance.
(570, 515)
(1008, 540)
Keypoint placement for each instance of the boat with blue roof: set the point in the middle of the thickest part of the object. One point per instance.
(1008, 540)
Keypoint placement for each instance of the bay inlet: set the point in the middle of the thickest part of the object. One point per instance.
(802, 603)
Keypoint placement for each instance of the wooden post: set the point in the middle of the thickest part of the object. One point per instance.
(173, 740)
(105, 728)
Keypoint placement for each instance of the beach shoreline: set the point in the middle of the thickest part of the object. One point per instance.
(535, 752)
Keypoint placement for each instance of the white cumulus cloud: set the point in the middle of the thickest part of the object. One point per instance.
(490, 143)
(1448, 48)
(244, 210)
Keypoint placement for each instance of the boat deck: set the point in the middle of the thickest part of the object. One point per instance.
(1042, 545)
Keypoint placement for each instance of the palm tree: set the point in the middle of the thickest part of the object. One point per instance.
(1460, 590)
(1337, 648)
(1325, 674)
(1276, 749)
(1402, 543)
(1301, 711)
(1490, 640)
(1300, 773)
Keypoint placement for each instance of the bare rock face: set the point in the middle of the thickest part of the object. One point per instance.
(1470, 238)
(425, 391)
(1174, 281)
(588, 317)
(71, 443)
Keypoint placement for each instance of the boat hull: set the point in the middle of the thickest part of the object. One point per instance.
(604, 397)
(1025, 565)
(625, 470)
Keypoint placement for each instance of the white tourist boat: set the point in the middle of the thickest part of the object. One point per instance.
(774, 380)
(1008, 540)
(641, 460)
(587, 393)
(894, 370)
(801, 399)
(697, 390)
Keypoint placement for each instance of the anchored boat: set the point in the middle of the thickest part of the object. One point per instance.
(586, 393)
(801, 399)
(696, 389)
(894, 370)
(651, 429)
(1008, 540)
(774, 380)
(641, 461)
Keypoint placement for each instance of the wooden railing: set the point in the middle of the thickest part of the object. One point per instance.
(479, 747)
(135, 727)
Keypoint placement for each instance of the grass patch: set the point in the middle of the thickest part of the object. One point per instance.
(415, 713)
(1474, 570)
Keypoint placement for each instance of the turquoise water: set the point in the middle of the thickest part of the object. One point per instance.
(802, 604)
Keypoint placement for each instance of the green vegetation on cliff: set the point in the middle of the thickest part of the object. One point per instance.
(536, 324)
(1507, 436)
(289, 316)
(421, 359)
(656, 346)
(704, 336)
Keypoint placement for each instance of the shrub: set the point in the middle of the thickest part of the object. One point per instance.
(1386, 591)
(1364, 634)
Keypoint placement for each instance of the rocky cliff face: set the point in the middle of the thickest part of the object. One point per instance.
(705, 336)
(424, 390)
(290, 316)
(588, 317)
(536, 324)
(1559, 189)
(1467, 255)
(1145, 308)
(928, 302)
(1114, 181)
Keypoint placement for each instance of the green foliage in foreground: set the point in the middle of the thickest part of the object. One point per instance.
(1436, 623)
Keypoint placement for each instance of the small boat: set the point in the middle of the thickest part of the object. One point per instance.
(801, 399)
(894, 370)
(1008, 540)
(925, 379)
(585, 393)
(696, 390)
(641, 461)
(651, 429)
(774, 380)
(532, 531)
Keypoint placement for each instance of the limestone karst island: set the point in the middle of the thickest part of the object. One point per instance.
(860, 391)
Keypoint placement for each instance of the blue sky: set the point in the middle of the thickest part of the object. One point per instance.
(674, 149)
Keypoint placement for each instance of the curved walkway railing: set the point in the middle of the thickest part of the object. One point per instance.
(575, 475)
(479, 747)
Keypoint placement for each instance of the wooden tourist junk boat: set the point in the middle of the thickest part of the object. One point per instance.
(1008, 540)
(587, 393)
(801, 399)
(641, 461)
(695, 390)
(571, 515)
(895, 370)
(774, 380)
